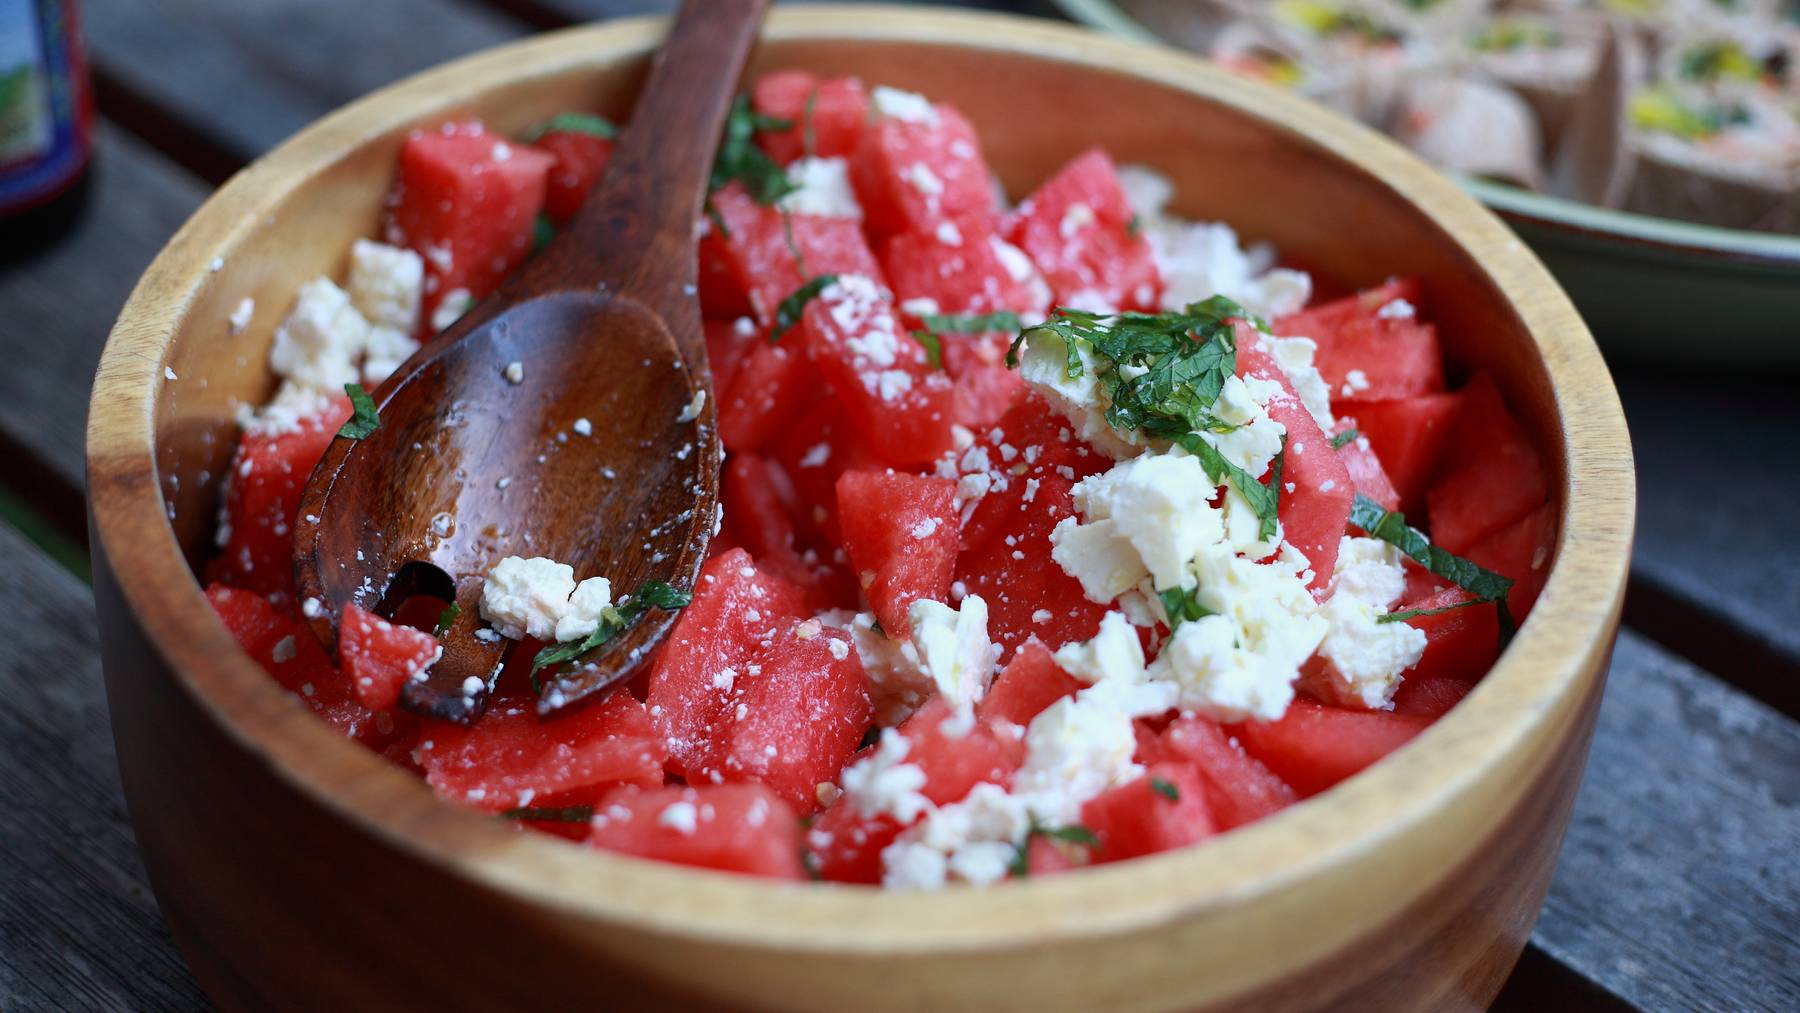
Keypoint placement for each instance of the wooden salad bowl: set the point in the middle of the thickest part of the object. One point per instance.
(296, 868)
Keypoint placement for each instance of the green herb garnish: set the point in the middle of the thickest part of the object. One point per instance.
(446, 619)
(740, 159)
(1391, 527)
(934, 348)
(542, 232)
(1180, 362)
(1395, 617)
(788, 313)
(558, 814)
(1181, 605)
(573, 123)
(1165, 789)
(1134, 225)
(364, 419)
(971, 323)
(650, 594)
(1343, 439)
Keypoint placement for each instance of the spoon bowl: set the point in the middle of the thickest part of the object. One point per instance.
(564, 416)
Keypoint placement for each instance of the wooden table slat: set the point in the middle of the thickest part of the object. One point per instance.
(79, 928)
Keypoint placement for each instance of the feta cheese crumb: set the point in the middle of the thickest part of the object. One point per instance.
(583, 427)
(691, 410)
(586, 608)
(322, 339)
(240, 316)
(514, 373)
(681, 817)
(882, 783)
(953, 647)
(821, 187)
(527, 597)
(386, 284)
(903, 105)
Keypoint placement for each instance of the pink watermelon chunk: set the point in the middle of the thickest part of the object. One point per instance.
(466, 200)
(380, 657)
(1460, 643)
(1366, 472)
(1077, 228)
(262, 499)
(735, 607)
(902, 534)
(1141, 818)
(833, 111)
(1522, 550)
(1492, 475)
(773, 384)
(1317, 491)
(579, 160)
(512, 758)
(1030, 682)
(1313, 747)
(1408, 436)
(743, 828)
(1239, 789)
(1372, 345)
(757, 253)
(910, 175)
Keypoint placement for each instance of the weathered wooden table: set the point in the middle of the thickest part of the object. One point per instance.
(1680, 878)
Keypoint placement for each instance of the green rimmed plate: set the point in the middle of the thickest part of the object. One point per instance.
(1650, 288)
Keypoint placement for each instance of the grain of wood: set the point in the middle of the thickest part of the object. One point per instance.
(59, 305)
(79, 928)
(251, 72)
(1678, 887)
(1715, 519)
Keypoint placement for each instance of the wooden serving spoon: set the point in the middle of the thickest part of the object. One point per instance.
(564, 416)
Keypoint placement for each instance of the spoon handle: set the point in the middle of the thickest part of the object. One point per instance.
(638, 226)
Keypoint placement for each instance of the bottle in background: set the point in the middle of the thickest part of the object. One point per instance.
(46, 121)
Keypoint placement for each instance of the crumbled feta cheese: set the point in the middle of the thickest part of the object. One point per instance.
(1397, 309)
(681, 817)
(587, 607)
(882, 783)
(583, 427)
(321, 340)
(1355, 382)
(948, 234)
(451, 307)
(388, 348)
(1366, 656)
(821, 187)
(1077, 748)
(386, 284)
(1198, 260)
(240, 316)
(920, 307)
(1296, 356)
(903, 105)
(692, 409)
(1076, 217)
(527, 597)
(1113, 653)
(971, 841)
(1255, 441)
(920, 177)
(1043, 365)
(514, 373)
(1159, 504)
(953, 647)
(282, 415)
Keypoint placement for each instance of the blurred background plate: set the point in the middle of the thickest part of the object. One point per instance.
(1650, 288)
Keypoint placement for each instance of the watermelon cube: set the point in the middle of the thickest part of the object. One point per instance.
(1522, 550)
(1430, 697)
(256, 625)
(1239, 788)
(759, 245)
(735, 606)
(1313, 747)
(262, 501)
(1030, 682)
(1492, 475)
(578, 161)
(813, 452)
(1365, 469)
(831, 112)
(772, 385)
(1408, 436)
(743, 828)
(759, 501)
(902, 535)
(1459, 644)
(727, 342)
(1317, 491)
(963, 267)
(1077, 227)
(793, 716)
(380, 657)
(911, 174)
(1372, 345)
(512, 758)
(466, 200)
(901, 407)
(1164, 809)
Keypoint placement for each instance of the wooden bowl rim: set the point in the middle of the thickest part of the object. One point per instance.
(1555, 659)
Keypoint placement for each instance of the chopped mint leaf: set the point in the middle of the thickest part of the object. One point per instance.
(787, 233)
(1182, 606)
(1135, 225)
(810, 862)
(446, 619)
(542, 232)
(718, 220)
(1180, 362)
(972, 323)
(1341, 440)
(788, 313)
(1391, 527)
(740, 159)
(934, 348)
(1165, 789)
(1402, 616)
(1074, 833)
(556, 814)
(650, 594)
(364, 419)
(573, 123)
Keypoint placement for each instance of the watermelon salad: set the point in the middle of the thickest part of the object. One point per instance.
(1053, 533)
